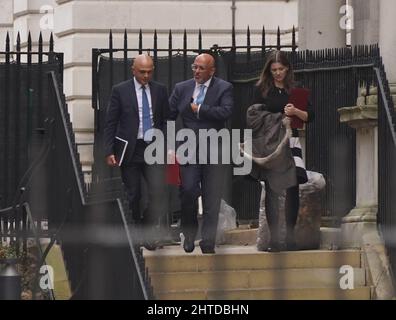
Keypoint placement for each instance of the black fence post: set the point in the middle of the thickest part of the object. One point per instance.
(170, 77)
(248, 45)
(263, 44)
(185, 67)
(199, 41)
(155, 49)
(278, 39)
(95, 56)
(126, 71)
(140, 42)
(111, 53)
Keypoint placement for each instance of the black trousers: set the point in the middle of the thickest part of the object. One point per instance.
(147, 211)
(204, 180)
(292, 205)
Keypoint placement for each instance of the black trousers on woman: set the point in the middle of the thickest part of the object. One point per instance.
(292, 204)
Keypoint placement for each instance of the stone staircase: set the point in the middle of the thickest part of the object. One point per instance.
(241, 272)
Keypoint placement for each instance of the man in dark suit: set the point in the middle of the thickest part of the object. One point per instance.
(204, 102)
(136, 106)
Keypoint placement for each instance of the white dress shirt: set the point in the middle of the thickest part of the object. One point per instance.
(196, 92)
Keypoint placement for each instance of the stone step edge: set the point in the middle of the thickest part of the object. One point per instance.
(192, 291)
(208, 272)
(218, 255)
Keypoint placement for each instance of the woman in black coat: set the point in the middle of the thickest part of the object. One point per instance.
(273, 90)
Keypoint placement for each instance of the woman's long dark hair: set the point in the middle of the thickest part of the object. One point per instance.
(266, 81)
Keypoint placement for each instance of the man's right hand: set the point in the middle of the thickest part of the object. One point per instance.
(171, 157)
(111, 161)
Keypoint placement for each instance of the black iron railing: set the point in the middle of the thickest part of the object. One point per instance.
(386, 163)
(23, 103)
(101, 256)
(22, 232)
(42, 181)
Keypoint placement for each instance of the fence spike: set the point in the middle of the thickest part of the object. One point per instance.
(170, 78)
(200, 41)
(125, 55)
(248, 37)
(140, 42)
(233, 36)
(170, 40)
(263, 44)
(111, 40)
(294, 46)
(8, 42)
(40, 48)
(263, 38)
(18, 42)
(51, 44)
(371, 50)
(125, 40)
(185, 61)
(185, 41)
(29, 44)
(248, 43)
(278, 40)
(155, 49)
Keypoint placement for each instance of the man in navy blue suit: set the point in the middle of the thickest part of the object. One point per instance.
(204, 102)
(136, 106)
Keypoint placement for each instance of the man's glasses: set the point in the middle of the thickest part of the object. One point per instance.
(194, 67)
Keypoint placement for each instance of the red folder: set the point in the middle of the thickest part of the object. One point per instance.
(173, 174)
(299, 98)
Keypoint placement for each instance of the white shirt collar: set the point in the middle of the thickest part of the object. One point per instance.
(206, 84)
(139, 85)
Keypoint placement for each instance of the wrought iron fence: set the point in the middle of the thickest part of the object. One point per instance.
(99, 266)
(41, 178)
(23, 104)
(386, 163)
(171, 66)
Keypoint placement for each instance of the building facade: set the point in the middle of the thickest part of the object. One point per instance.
(80, 25)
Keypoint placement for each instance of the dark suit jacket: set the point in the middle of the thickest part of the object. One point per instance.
(214, 111)
(122, 118)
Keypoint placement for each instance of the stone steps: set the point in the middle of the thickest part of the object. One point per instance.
(252, 279)
(361, 293)
(246, 258)
(241, 272)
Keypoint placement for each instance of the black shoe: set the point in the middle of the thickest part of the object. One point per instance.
(273, 246)
(291, 245)
(188, 245)
(208, 250)
(207, 247)
(152, 246)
